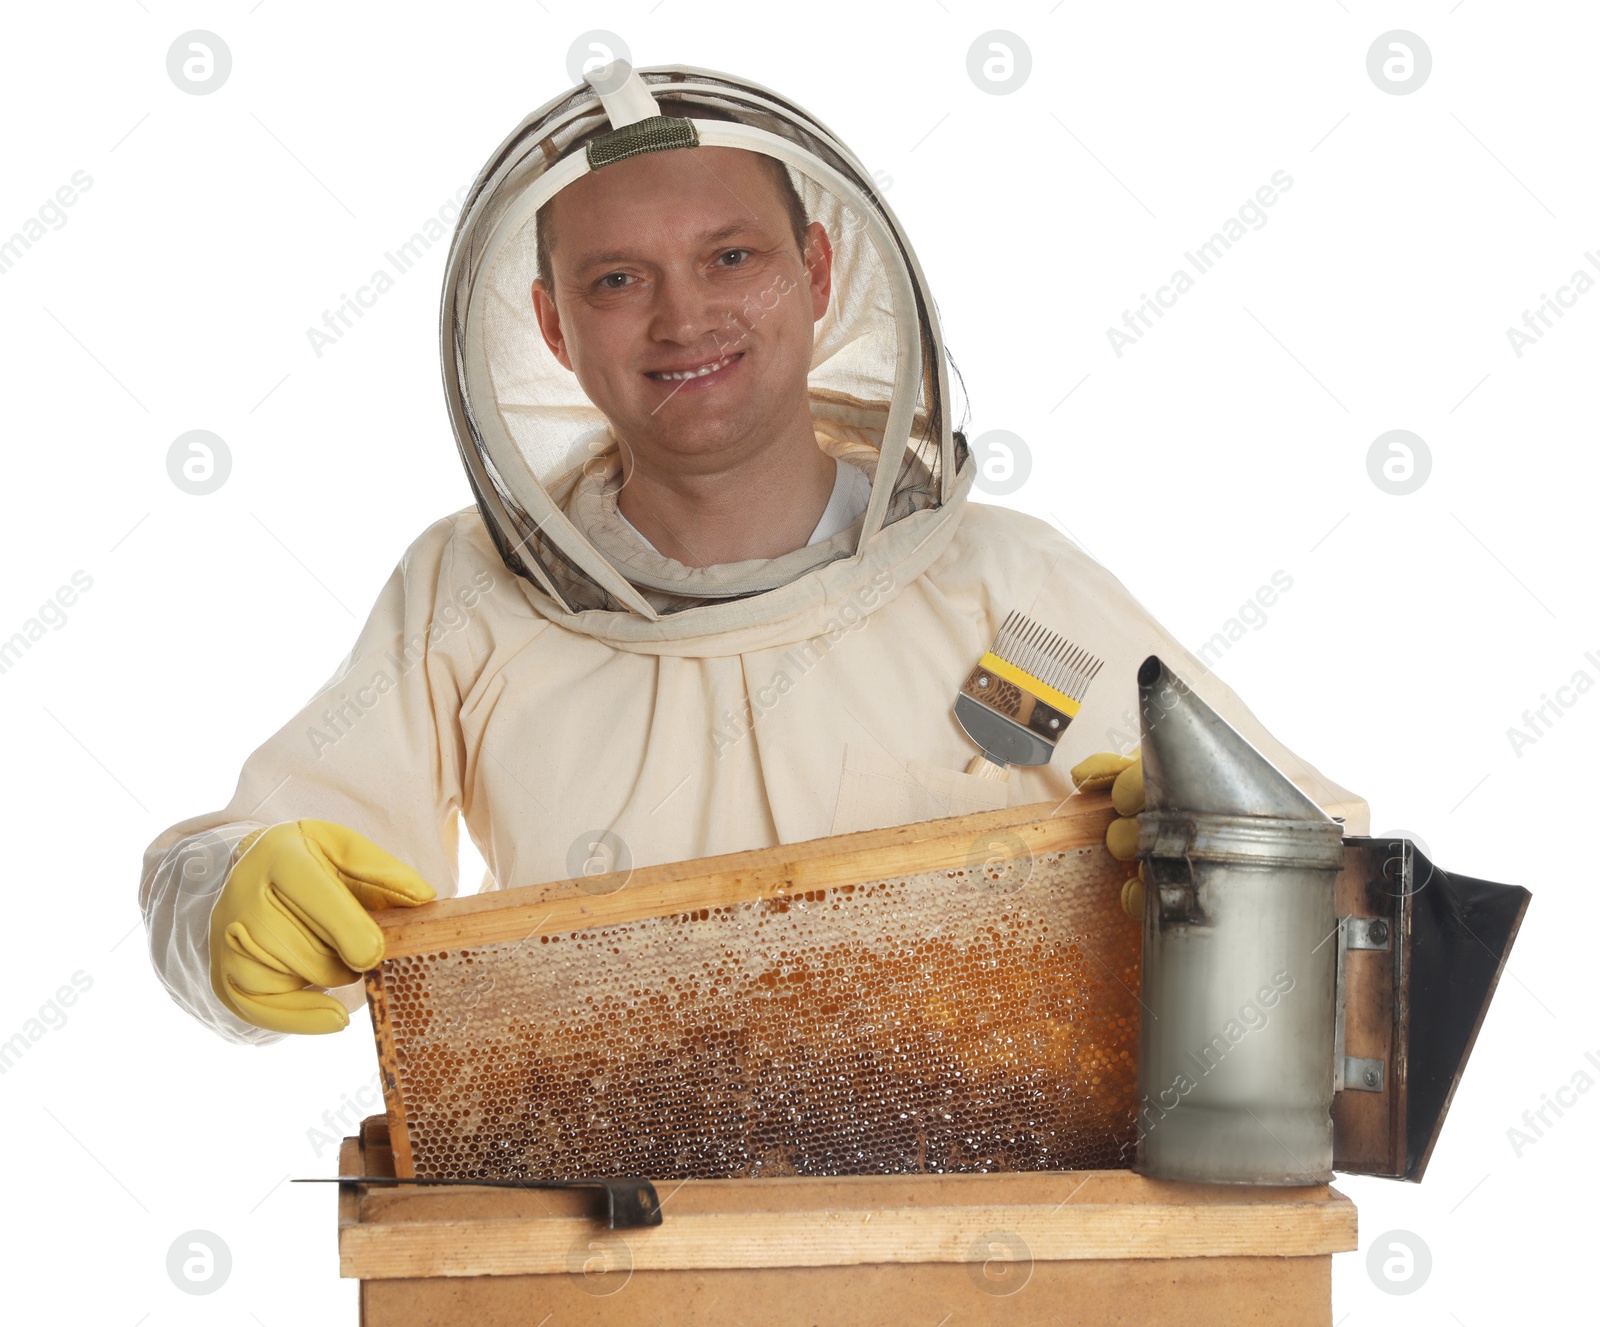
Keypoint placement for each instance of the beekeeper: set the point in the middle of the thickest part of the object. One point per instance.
(720, 586)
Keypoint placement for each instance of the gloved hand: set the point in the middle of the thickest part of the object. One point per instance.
(293, 914)
(1124, 775)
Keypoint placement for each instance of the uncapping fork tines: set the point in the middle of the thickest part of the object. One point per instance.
(1020, 698)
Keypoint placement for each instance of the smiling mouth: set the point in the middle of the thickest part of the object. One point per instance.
(684, 375)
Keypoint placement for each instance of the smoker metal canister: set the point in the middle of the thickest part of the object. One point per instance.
(1237, 1026)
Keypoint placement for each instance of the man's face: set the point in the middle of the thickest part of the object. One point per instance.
(670, 262)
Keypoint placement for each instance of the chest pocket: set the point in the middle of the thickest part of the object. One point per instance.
(876, 790)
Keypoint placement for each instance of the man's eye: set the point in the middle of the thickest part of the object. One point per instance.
(612, 281)
(739, 254)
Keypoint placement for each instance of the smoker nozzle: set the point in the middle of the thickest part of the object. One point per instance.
(1195, 762)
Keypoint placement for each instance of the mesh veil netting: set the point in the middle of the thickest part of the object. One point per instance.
(539, 453)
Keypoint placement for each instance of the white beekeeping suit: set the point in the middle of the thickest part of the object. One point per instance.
(536, 668)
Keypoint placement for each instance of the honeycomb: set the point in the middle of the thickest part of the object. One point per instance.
(983, 1018)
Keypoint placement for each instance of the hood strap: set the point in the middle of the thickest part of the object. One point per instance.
(656, 134)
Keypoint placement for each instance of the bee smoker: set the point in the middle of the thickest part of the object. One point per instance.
(1309, 1000)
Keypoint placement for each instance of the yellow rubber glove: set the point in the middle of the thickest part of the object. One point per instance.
(1124, 775)
(293, 915)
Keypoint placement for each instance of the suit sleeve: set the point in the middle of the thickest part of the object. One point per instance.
(378, 749)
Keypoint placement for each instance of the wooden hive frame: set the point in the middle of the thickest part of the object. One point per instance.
(675, 889)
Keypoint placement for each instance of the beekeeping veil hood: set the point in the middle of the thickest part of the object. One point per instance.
(542, 461)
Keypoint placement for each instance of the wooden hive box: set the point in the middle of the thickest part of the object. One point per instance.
(1091, 1248)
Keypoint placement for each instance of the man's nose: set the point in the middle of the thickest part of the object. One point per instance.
(687, 311)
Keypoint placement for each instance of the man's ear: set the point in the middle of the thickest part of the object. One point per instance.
(819, 267)
(544, 309)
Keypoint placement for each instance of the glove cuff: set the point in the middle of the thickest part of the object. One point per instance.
(244, 845)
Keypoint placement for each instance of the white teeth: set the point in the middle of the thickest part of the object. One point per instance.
(694, 373)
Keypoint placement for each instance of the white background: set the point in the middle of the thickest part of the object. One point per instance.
(1229, 443)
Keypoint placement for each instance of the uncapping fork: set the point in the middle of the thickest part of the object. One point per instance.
(1023, 693)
